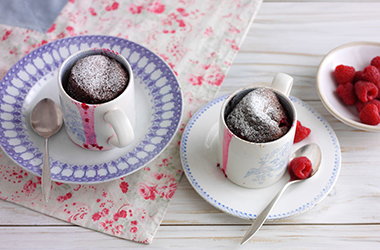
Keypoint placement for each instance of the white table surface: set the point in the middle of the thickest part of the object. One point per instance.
(285, 37)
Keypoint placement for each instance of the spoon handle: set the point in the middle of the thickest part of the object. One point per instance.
(259, 221)
(46, 178)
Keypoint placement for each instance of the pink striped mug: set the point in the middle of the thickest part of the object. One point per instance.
(98, 126)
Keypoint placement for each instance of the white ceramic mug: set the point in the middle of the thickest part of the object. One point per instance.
(98, 126)
(250, 164)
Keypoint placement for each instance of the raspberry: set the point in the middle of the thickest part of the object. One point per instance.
(343, 74)
(371, 74)
(370, 114)
(360, 105)
(366, 91)
(358, 76)
(376, 62)
(301, 132)
(377, 103)
(346, 93)
(300, 168)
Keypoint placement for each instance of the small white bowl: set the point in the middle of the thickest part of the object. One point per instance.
(358, 55)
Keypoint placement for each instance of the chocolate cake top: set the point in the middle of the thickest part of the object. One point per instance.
(96, 79)
(258, 117)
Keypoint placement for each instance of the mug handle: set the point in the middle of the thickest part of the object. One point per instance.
(283, 83)
(122, 127)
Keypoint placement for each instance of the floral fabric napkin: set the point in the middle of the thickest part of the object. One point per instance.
(198, 39)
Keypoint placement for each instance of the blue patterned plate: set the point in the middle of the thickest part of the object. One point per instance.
(159, 108)
(198, 156)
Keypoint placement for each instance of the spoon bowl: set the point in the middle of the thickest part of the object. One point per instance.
(311, 151)
(46, 120)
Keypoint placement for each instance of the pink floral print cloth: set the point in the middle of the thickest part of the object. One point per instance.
(198, 39)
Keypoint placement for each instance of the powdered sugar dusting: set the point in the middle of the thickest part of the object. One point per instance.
(96, 79)
(258, 117)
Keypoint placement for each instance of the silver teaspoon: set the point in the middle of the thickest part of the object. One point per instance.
(46, 120)
(311, 151)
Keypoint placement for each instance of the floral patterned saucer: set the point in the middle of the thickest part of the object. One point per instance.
(159, 108)
(198, 156)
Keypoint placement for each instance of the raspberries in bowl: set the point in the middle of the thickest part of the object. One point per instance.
(348, 83)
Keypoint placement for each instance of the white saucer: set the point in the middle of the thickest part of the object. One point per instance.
(199, 163)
